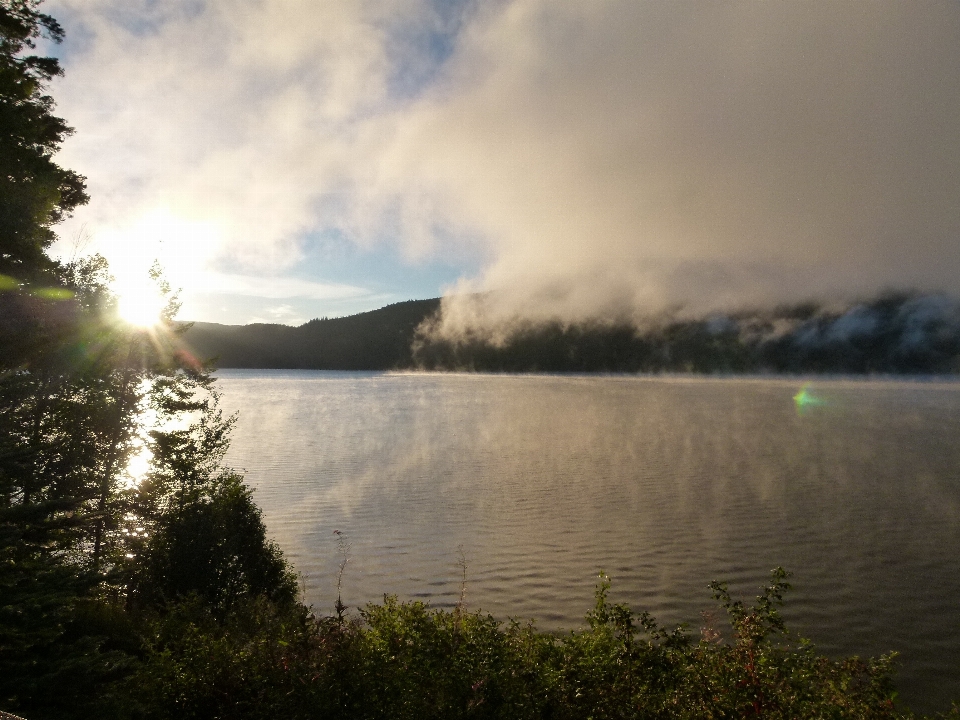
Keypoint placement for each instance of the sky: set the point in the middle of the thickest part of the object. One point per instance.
(291, 159)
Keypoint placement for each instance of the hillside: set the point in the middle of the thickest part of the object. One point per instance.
(895, 333)
(376, 340)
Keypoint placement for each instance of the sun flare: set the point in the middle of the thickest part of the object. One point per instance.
(141, 307)
(182, 244)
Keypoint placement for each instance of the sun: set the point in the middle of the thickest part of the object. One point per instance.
(180, 242)
(140, 306)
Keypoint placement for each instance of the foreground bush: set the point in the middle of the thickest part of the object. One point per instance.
(405, 660)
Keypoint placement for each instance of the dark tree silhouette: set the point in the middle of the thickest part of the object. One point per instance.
(35, 192)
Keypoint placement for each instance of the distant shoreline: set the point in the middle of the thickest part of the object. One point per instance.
(784, 378)
(894, 335)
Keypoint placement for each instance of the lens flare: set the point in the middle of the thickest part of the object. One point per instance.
(805, 400)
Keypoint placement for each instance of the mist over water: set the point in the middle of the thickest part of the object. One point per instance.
(665, 483)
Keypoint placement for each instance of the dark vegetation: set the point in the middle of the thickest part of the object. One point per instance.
(164, 598)
(378, 340)
(896, 333)
(404, 660)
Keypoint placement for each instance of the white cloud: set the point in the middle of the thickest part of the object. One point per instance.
(606, 156)
(627, 155)
(274, 287)
(233, 114)
(285, 314)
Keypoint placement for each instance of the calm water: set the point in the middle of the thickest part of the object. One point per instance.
(665, 483)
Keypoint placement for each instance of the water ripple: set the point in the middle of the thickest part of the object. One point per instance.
(666, 484)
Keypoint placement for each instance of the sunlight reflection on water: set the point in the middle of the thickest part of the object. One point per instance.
(139, 461)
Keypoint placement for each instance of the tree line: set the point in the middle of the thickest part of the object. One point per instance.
(894, 333)
(377, 340)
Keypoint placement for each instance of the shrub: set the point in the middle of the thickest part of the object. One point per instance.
(406, 660)
(212, 544)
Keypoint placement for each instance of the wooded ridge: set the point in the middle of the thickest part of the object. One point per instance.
(894, 333)
(377, 340)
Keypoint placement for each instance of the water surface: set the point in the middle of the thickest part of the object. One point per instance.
(665, 483)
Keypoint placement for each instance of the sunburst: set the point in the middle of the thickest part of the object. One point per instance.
(140, 306)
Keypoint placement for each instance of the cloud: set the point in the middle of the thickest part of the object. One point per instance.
(285, 314)
(856, 323)
(276, 287)
(637, 154)
(240, 113)
(613, 157)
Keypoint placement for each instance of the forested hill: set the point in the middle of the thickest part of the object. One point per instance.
(376, 340)
(895, 333)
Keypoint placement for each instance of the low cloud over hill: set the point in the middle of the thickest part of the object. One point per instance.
(894, 333)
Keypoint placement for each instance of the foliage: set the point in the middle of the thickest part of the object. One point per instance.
(212, 543)
(67, 426)
(35, 192)
(405, 660)
(85, 554)
(254, 661)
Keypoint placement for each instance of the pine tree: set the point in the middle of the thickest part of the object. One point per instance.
(35, 192)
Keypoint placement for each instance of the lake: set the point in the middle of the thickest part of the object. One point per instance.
(534, 483)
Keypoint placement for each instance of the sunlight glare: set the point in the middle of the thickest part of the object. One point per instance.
(138, 466)
(182, 241)
(140, 306)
